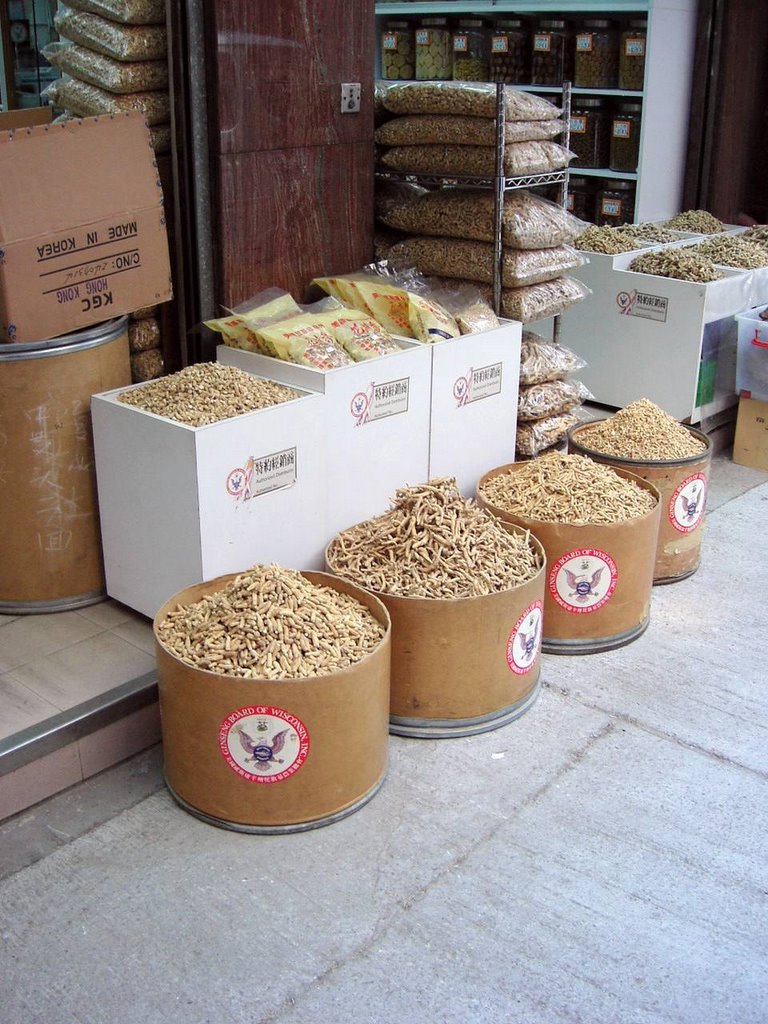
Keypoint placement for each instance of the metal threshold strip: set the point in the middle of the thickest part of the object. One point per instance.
(28, 745)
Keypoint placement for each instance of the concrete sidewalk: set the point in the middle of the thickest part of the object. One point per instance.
(601, 860)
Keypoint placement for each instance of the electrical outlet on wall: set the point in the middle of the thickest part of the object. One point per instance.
(350, 97)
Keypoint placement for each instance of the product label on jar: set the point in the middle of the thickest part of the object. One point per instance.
(460, 44)
(584, 42)
(686, 506)
(583, 581)
(578, 124)
(262, 474)
(622, 129)
(610, 207)
(423, 37)
(648, 307)
(524, 642)
(389, 41)
(263, 743)
(542, 42)
(499, 44)
(634, 47)
(483, 382)
(380, 401)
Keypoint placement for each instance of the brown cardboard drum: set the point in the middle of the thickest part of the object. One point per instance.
(333, 751)
(599, 577)
(466, 666)
(50, 543)
(682, 486)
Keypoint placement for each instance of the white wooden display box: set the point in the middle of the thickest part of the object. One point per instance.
(642, 335)
(181, 504)
(374, 425)
(473, 418)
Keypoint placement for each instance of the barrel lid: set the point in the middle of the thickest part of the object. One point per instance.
(88, 337)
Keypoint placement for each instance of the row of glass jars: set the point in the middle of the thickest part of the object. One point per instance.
(604, 135)
(597, 56)
(601, 200)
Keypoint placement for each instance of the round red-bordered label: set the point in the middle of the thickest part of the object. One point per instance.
(686, 506)
(583, 580)
(524, 642)
(262, 743)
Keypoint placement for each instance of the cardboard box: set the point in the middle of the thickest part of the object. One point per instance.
(375, 425)
(183, 504)
(12, 119)
(473, 413)
(82, 226)
(750, 445)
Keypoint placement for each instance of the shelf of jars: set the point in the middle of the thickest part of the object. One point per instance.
(603, 56)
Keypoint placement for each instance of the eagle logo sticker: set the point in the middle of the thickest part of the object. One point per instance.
(524, 642)
(686, 506)
(263, 744)
(582, 581)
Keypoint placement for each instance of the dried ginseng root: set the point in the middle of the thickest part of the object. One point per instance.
(571, 489)
(433, 543)
(641, 431)
(272, 623)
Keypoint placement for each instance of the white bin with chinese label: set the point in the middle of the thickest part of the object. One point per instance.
(181, 504)
(644, 336)
(375, 425)
(474, 404)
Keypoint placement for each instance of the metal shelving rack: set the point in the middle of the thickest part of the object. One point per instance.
(501, 184)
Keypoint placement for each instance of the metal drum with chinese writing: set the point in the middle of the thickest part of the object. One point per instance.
(50, 544)
(221, 734)
(682, 484)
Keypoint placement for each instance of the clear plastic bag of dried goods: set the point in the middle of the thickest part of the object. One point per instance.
(466, 304)
(540, 301)
(534, 438)
(143, 334)
(129, 12)
(474, 261)
(528, 220)
(473, 99)
(447, 129)
(520, 158)
(106, 72)
(537, 401)
(542, 360)
(87, 100)
(123, 42)
(391, 194)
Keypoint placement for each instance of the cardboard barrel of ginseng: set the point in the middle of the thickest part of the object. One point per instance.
(274, 756)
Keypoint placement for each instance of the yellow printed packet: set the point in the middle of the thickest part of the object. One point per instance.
(429, 321)
(240, 328)
(307, 340)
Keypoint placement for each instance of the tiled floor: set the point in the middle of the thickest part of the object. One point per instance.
(52, 663)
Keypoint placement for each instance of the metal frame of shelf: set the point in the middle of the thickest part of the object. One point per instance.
(502, 183)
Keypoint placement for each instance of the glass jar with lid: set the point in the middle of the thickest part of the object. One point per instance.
(434, 60)
(615, 203)
(596, 55)
(590, 137)
(510, 52)
(471, 51)
(551, 53)
(580, 197)
(632, 54)
(398, 51)
(625, 137)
